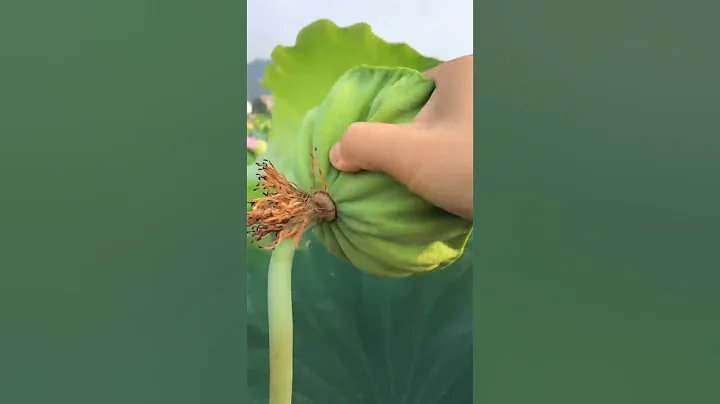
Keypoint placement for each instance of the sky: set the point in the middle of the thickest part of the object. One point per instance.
(441, 29)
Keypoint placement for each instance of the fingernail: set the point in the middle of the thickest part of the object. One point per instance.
(335, 155)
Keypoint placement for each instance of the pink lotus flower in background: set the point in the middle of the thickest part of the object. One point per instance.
(257, 146)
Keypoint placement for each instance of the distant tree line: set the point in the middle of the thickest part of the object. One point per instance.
(259, 107)
(255, 74)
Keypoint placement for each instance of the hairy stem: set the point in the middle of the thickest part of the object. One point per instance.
(281, 322)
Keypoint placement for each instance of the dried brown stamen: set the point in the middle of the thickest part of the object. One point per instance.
(285, 210)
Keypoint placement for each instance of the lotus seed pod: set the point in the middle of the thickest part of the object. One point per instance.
(367, 217)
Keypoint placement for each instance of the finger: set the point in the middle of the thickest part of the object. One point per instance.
(445, 71)
(374, 147)
(453, 95)
(425, 115)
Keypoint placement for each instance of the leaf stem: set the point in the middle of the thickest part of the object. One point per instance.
(281, 322)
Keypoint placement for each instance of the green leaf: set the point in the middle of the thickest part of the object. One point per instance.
(361, 339)
(300, 77)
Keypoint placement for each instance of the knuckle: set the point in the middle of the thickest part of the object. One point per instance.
(353, 135)
(354, 130)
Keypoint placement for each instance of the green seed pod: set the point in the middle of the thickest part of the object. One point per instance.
(368, 218)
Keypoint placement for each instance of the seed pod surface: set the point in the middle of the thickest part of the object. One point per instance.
(380, 226)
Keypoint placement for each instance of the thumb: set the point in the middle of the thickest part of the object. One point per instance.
(370, 146)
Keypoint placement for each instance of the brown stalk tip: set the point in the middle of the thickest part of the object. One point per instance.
(286, 211)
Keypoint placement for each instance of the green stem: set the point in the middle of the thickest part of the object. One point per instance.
(281, 322)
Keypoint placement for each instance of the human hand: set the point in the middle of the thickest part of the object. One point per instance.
(433, 155)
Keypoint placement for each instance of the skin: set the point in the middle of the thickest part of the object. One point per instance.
(433, 155)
